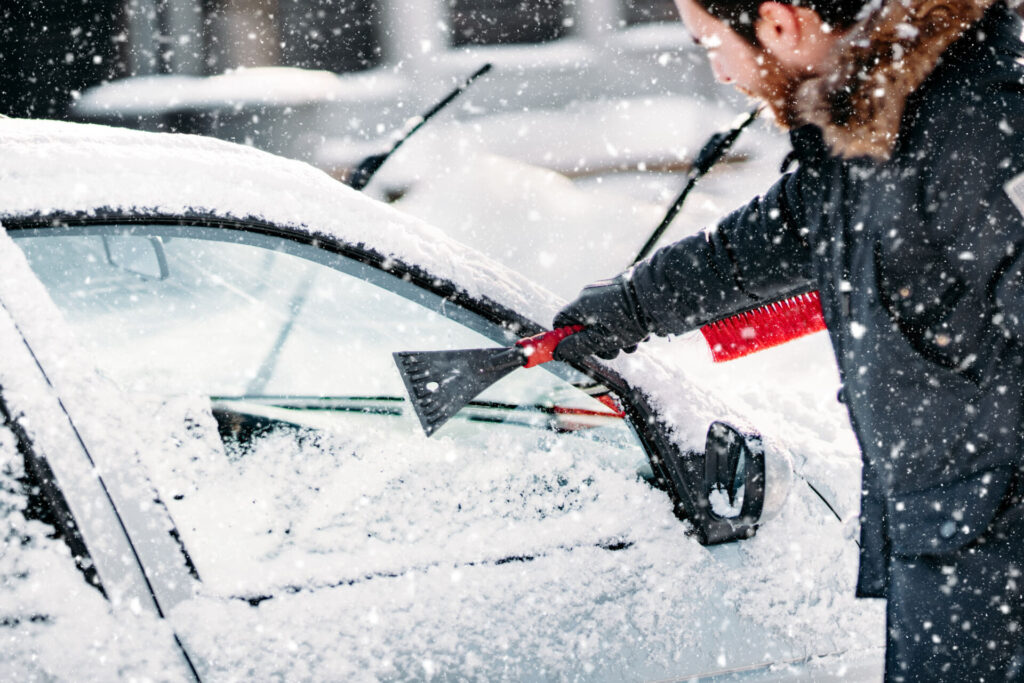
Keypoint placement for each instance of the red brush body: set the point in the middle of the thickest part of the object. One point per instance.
(764, 327)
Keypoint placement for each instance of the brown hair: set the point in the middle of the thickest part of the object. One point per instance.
(741, 15)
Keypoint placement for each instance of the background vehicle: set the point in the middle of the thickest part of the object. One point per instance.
(196, 405)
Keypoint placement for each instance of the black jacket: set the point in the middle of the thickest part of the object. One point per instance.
(919, 259)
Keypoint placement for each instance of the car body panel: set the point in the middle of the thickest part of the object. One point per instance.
(110, 511)
(51, 170)
(593, 578)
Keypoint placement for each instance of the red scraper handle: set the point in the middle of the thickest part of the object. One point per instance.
(734, 337)
(540, 348)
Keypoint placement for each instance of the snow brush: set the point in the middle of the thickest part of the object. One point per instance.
(759, 328)
(763, 327)
(441, 383)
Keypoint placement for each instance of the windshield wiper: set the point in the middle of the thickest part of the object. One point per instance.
(709, 155)
(248, 415)
(269, 364)
(369, 166)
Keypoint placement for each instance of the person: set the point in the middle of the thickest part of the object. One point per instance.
(906, 212)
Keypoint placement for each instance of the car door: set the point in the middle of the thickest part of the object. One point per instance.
(84, 580)
(299, 485)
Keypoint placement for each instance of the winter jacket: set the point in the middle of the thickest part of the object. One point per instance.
(913, 233)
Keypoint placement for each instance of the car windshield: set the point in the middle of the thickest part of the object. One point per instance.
(284, 351)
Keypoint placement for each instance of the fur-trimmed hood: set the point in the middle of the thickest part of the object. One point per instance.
(859, 98)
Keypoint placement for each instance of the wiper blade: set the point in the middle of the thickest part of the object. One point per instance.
(712, 151)
(328, 403)
(291, 409)
(369, 166)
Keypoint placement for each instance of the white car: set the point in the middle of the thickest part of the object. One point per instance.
(209, 468)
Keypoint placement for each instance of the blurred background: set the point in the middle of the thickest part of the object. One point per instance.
(54, 51)
(580, 135)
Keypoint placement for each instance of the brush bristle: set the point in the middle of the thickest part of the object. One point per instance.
(764, 327)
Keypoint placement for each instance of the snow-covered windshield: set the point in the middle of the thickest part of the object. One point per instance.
(231, 314)
(260, 340)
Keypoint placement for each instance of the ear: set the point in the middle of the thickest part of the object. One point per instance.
(796, 36)
(778, 29)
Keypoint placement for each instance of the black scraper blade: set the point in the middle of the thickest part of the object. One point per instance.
(441, 383)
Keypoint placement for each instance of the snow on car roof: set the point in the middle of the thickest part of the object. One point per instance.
(50, 167)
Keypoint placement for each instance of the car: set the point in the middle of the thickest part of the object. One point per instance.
(210, 469)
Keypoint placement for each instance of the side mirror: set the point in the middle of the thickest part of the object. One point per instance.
(720, 491)
(143, 256)
(734, 475)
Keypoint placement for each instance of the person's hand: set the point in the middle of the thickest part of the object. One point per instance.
(612, 317)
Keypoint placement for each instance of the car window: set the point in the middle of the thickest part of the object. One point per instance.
(240, 316)
(259, 339)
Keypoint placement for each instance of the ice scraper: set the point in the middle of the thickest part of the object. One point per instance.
(441, 383)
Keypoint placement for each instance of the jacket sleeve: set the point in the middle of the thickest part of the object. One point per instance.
(756, 254)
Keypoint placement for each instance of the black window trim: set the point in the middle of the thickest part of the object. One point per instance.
(55, 510)
(678, 473)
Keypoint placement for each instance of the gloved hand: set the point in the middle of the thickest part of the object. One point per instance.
(612, 317)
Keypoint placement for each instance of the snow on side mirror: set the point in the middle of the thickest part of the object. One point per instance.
(732, 491)
(734, 474)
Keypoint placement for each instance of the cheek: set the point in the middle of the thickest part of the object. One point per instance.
(721, 67)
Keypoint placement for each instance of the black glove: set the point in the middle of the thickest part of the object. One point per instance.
(613, 318)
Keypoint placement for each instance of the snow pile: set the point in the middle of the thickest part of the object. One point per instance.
(270, 85)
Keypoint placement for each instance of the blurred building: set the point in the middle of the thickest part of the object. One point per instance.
(211, 36)
(51, 52)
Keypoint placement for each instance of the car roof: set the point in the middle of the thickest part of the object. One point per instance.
(60, 168)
